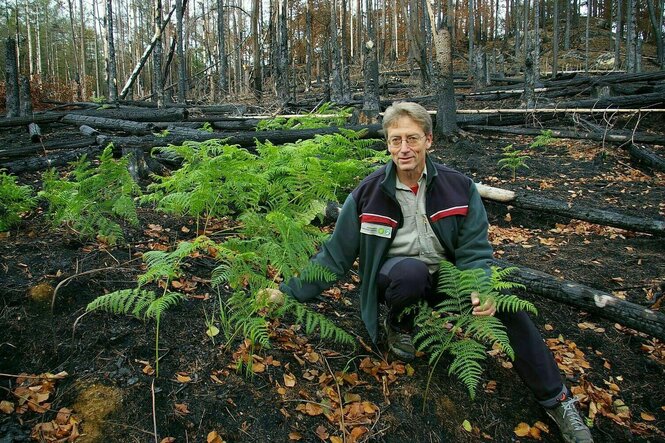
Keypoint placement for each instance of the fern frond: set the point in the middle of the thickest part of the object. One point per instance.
(126, 301)
(465, 365)
(161, 304)
(313, 320)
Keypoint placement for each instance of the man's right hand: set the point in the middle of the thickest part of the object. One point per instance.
(271, 296)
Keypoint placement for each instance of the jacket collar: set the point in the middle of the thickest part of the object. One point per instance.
(388, 183)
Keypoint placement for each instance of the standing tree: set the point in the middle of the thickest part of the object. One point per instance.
(157, 81)
(11, 79)
(555, 39)
(370, 111)
(111, 71)
(282, 63)
(617, 38)
(182, 62)
(223, 83)
(657, 32)
(631, 40)
(258, 77)
(336, 81)
(84, 89)
(446, 115)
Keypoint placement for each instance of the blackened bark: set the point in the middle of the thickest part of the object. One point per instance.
(283, 89)
(221, 50)
(111, 71)
(157, 53)
(11, 79)
(26, 98)
(370, 111)
(336, 83)
(182, 66)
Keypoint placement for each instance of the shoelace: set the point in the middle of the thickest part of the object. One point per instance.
(574, 416)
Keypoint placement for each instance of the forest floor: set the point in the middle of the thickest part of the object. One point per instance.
(296, 390)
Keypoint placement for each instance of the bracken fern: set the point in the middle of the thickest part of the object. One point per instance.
(450, 327)
(14, 200)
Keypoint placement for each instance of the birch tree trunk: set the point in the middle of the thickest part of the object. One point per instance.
(95, 15)
(111, 71)
(617, 38)
(258, 77)
(555, 39)
(370, 109)
(446, 119)
(157, 53)
(11, 79)
(282, 65)
(221, 50)
(180, 51)
(309, 52)
(77, 57)
(566, 36)
(631, 43)
(84, 72)
(336, 85)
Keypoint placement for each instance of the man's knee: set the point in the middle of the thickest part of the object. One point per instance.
(409, 282)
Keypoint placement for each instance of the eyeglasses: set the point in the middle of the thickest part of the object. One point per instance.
(411, 141)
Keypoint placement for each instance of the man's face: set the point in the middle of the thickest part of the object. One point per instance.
(408, 144)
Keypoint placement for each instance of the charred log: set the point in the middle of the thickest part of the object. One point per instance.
(51, 160)
(609, 136)
(591, 300)
(647, 157)
(112, 124)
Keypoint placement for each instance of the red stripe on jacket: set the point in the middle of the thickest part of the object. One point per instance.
(375, 218)
(455, 210)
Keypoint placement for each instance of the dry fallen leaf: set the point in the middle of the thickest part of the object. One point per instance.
(647, 417)
(322, 433)
(289, 380)
(295, 436)
(522, 429)
(182, 377)
(6, 406)
(213, 437)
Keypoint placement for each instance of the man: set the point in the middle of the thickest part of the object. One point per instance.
(401, 221)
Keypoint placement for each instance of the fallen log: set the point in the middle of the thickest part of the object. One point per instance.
(56, 144)
(112, 124)
(48, 117)
(138, 114)
(609, 136)
(244, 139)
(641, 100)
(573, 210)
(646, 157)
(591, 300)
(54, 159)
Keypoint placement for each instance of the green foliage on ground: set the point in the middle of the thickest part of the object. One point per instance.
(451, 328)
(542, 140)
(275, 196)
(14, 201)
(326, 115)
(92, 200)
(513, 159)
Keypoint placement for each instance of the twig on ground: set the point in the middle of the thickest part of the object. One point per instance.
(154, 410)
(79, 274)
(341, 400)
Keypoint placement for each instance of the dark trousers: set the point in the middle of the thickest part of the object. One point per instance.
(405, 281)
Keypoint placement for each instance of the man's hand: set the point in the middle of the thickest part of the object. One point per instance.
(271, 296)
(487, 308)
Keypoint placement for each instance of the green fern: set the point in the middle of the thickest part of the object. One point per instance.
(314, 120)
(450, 327)
(542, 140)
(14, 200)
(313, 320)
(139, 303)
(94, 198)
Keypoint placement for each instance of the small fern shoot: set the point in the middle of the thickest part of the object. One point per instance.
(14, 200)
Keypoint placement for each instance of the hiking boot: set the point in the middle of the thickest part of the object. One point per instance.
(400, 342)
(569, 421)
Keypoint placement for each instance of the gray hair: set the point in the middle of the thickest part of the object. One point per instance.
(407, 109)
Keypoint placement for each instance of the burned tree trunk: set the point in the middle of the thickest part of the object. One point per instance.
(26, 98)
(370, 110)
(12, 99)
